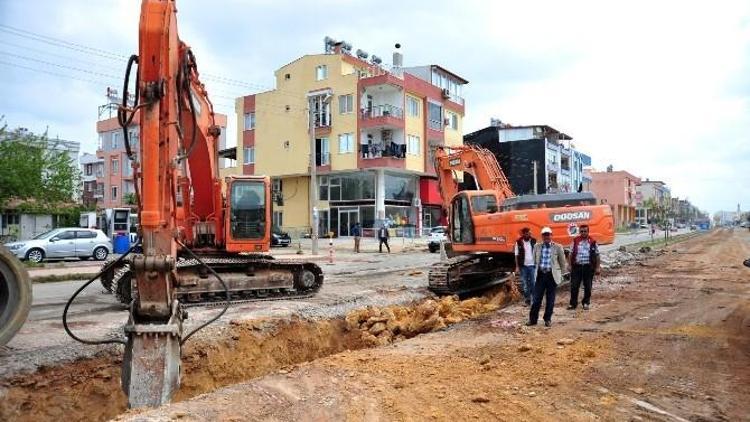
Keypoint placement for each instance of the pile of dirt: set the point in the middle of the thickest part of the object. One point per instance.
(380, 326)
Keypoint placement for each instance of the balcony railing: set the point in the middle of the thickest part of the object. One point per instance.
(375, 70)
(98, 193)
(379, 150)
(435, 124)
(322, 159)
(383, 110)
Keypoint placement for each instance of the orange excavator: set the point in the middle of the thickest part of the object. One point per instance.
(483, 224)
(197, 245)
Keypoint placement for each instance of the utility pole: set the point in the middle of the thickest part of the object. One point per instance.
(312, 98)
(535, 182)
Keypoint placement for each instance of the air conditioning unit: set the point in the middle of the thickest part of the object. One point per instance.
(446, 93)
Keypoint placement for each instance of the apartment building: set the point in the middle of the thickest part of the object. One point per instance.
(374, 127)
(518, 149)
(652, 198)
(112, 180)
(618, 189)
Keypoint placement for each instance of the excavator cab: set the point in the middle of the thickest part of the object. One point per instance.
(248, 213)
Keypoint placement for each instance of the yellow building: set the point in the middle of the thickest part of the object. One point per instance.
(374, 127)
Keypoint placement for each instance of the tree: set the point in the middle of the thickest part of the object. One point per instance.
(31, 167)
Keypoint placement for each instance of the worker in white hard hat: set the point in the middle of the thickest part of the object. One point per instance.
(549, 258)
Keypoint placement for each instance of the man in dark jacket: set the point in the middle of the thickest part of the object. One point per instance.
(525, 267)
(383, 237)
(357, 233)
(584, 263)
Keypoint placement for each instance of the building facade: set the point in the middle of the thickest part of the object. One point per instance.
(373, 127)
(618, 189)
(653, 201)
(112, 180)
(92, 168)
(519, 149)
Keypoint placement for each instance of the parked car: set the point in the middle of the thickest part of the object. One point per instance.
(280, 238)
(64, 243)
(437, 235)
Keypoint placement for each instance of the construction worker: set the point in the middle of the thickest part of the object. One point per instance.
(525, 268)
(584, 263)
(549, 258)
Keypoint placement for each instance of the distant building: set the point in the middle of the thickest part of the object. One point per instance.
(110, 174)
(559, 166)
(618, 189)
(92, 167)
(652, 193)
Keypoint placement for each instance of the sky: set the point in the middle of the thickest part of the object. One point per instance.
(660, 89)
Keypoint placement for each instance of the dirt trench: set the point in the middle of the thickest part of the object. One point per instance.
(89, 389)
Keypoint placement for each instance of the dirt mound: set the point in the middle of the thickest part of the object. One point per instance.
(379, 326)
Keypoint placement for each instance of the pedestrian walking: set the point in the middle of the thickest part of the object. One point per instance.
(357, 233)
(584, 263)
(525, 268)
(383, 237)
(550, 262)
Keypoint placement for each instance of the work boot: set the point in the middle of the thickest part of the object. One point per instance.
(529, 323)
(586, 307)
(571, 307)
(527, 302)
(547, 324)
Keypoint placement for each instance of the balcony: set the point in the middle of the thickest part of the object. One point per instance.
(383, 115)
(376, 75)
(388, 155)
(435, 125)
(98, 193)
(322, 159)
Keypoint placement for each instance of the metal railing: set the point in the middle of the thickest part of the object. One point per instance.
(322, 158)
(435, 124)
(380, 150)
(383, 110)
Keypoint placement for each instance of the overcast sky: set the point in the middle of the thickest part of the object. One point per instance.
(658, 88)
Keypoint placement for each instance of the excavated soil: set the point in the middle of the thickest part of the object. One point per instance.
(90, 389)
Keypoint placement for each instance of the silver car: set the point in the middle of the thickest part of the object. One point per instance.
(64, 243)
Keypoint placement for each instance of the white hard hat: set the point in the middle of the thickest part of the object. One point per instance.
(546, 230)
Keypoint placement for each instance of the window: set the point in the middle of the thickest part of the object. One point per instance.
(321, 111)
(412, 144)
(323, 188)
(115, 166)
(116, 139)
(277, 185)
(346, 103)
(287, 76)
(323, 152)
(278, 218)
(100, 144)
(400, 188)
(249, 121)
(65, 235)
(483, 204)
(248, 210)
(89, 187)
(452, 120)
(321, 72)
(346, 143)
(85, 234)
(249, 153)
(114, 193)
(435, 114)
(412, 106)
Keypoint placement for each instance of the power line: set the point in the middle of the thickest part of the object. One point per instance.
(122, 58)
(52, 73)
(59, 65)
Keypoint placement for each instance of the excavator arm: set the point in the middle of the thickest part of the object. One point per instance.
(179, 198)
(477, 161)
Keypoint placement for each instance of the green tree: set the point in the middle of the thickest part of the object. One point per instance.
(31, 167)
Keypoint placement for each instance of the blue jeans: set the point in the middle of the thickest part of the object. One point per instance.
(528, 275)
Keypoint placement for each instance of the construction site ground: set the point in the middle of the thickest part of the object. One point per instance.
(667, 338)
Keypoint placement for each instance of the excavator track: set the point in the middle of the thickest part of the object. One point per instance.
(307, 280)
(466, 274)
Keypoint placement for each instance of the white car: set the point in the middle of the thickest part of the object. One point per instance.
(437, 235)
(64, 243)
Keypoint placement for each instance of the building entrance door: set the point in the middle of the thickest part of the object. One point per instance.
(347, 218)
